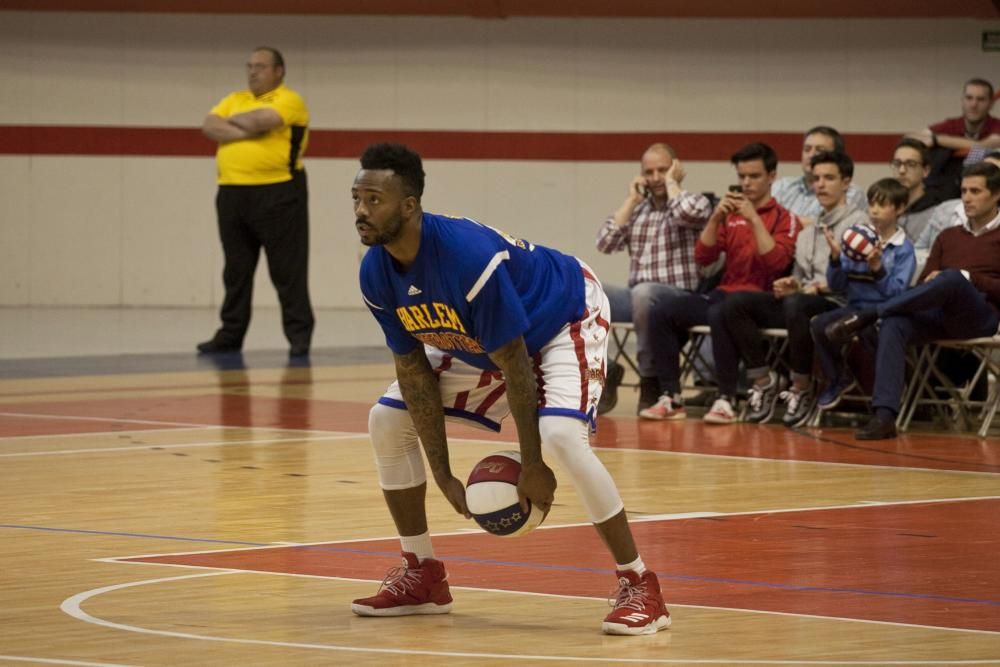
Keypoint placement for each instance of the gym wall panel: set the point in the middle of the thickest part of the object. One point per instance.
(76, 231)
(170, 248)
(140, 230)
(78, 70)
(627, 76)
(531, 75)
(171, 67)
(15, 68)
(15, 230)
(442, 75)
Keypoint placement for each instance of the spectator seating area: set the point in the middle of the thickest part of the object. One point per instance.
(927, 386)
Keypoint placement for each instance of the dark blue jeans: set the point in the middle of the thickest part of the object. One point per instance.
(949, 306)
(669, 325)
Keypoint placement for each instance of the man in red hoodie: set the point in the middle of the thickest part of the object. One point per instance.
(758, 236)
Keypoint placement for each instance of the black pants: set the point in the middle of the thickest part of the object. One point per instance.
(746, 313)
(669, 324)
(275, 217)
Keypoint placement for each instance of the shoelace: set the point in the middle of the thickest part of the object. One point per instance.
(400, 580)
(792, 398)
(756, 397)
(627, 596)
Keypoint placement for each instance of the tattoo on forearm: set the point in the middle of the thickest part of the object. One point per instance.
(422, 395)
(522, 396)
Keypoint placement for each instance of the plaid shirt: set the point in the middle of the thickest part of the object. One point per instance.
(660, 241)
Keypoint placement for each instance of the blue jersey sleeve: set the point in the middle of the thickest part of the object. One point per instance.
(383, 307)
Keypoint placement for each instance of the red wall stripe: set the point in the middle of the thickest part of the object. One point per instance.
(433, 144)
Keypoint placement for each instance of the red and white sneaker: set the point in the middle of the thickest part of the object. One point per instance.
(639, 608)
(666, 408)
(414, 588)
(722, 412)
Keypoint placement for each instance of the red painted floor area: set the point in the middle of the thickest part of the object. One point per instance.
(937, 452)
(881, 563)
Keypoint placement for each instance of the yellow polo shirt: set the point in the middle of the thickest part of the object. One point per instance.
(273, 156)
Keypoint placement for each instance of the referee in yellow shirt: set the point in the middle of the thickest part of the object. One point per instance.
(262, 201)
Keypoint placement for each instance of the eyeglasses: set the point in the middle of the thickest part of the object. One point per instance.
(909, 165)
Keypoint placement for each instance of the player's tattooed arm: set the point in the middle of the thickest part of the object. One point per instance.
(420, 390)
(537, 482)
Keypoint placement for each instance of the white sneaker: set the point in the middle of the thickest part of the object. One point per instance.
(721, 413)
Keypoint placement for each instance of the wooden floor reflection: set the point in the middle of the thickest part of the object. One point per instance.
(229, 517)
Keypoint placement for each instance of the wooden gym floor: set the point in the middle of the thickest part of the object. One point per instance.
(161, 510)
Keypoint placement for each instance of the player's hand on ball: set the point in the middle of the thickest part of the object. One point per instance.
(454, 491)
(537, 484)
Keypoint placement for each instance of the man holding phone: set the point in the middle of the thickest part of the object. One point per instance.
(658, 223)
(758, 236)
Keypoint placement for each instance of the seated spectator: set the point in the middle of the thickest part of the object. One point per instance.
(950, 213)
(910, 167)
(658, 223)
(886, 273)
(958, 297)
(796, 193)
(758, 236)
(793, 301)
(952, 139)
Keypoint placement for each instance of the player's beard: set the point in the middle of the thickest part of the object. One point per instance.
(392, 231)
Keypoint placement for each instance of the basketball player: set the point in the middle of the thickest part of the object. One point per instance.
(482, 325)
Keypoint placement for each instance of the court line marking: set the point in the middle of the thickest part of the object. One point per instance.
(215, 443)
(658, 517)
(635, 450)
(56, 661)
(17, 438)
(226, 570)
(845, 464)
(153, 422)
(73, 606)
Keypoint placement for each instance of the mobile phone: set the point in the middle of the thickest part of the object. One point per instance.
(736, 188)
(642, 190)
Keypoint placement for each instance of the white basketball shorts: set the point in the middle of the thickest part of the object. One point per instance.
(569, 370)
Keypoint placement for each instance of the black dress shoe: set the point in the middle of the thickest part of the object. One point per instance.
(877, 428)
(215, 347)
(609, 399)
(843, 330)
(299, 351)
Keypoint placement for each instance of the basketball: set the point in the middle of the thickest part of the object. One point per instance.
(858, 242)
(491, 494)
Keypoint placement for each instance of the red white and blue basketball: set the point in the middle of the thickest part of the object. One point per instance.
(858, 242)
(491, 494)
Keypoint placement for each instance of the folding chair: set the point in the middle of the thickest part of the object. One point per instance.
(693, 361)
(929, 382)
(620, 334)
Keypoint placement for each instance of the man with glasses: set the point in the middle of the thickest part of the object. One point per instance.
(262, 201)
(958, 297)
(910, 167)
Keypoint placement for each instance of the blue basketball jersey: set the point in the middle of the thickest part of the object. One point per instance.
(471, 290)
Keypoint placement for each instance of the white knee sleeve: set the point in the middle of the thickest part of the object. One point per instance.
(397, 452)
(566, 440)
